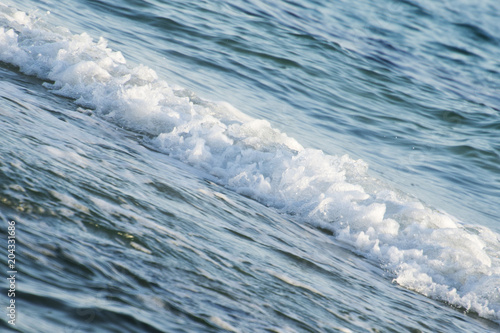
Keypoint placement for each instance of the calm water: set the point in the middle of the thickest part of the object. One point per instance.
(251, 166)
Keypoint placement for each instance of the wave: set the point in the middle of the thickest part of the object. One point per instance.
(425, 250)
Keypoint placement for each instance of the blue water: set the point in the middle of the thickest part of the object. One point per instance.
(251, 166)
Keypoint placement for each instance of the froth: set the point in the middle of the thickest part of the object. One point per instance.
(426, 250)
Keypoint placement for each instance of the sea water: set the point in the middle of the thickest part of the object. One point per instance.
(251, 166)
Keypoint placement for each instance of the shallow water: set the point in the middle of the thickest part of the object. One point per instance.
(143, 205)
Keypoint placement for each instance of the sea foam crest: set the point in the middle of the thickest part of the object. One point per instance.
(425, 250)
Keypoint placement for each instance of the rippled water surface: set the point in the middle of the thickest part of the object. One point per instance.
(251, 166)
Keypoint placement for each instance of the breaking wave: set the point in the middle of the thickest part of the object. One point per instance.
(423, 249)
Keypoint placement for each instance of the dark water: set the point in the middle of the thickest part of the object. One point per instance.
(143, 205)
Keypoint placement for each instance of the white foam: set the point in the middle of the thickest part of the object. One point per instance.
(426, 250)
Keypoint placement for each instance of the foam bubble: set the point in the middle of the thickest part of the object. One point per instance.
(427, 251)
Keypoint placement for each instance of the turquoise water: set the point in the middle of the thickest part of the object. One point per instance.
(348, 179)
